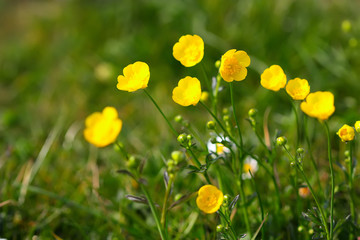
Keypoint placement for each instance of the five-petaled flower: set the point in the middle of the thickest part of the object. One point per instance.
(346, 133)
(209, 199)
(298, 88)
(273, 78)
(233, 65)
(136, 76)
(189, 50)
(102, 128)
(188, 92)
(319, 105)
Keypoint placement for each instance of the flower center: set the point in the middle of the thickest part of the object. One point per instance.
(232, 66)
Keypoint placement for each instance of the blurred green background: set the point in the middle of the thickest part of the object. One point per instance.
(59, 61)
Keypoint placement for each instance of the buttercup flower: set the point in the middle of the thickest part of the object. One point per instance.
(319, 105)
(346, 133)
(273, 78)
(188, 92)
(298, 88)
(102, 128)
(233, 65)
(357, 126)
(209, 199)
(136, 76)
(189, 50)
(249, 164)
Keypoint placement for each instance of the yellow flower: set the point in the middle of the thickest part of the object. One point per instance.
(209, 199)
(346, 133)
(357, 126)
(136, 76)
(319, 105)
(298, 88)
(102, 128)
(273, 78)
(233, 65)
(189, 50)
(187, 92)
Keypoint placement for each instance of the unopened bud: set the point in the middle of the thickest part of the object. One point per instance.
(182, 138)
(217, 63)
(281, 141)
(210, 125)
(219, 228)
(177, 156)
(178, 119)
(300, 150)
(252, 112)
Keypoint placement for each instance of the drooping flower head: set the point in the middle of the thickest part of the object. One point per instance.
(233, 65)
(136, 76)
(209, 199)
(273, 78)
(102, 128)
(249, 164)
(298, 88)
(319, 105)
(189, 50)
(346, 133)
(188, 92)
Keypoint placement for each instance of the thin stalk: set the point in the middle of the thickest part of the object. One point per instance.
(351, 190)
(216, 92)
(199, 164)
(236, 120)
(323, 216)
(163, 115)
(332, 180)
(260, 202)
(311, 155)
(220, 124)
(297, 123)
(167, 193)
(243, 207)
(226, 218)
(153, 211)
(208, 85)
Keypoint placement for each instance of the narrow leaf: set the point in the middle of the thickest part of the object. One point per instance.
(233, 202)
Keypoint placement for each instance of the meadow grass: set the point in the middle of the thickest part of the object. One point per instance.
(58, 64)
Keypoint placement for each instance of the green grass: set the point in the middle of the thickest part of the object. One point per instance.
(54, 182)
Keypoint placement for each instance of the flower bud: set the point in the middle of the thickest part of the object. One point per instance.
(225, 111)
(300, 150)
(252, 112)
(219, 228)
(204, 96)
(347, 153)
(132, 162)
(177, 156)
(226, 118)
(226, 200)
(189, 137)
(178, 119)
(210, 125)
(170, 163)
(182, 138)
(300, 228)
(281, 141)
(311, 231)
(178, 196)
(293, 164)
(217, 63)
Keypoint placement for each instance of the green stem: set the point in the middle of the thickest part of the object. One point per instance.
(153, 211)
(167, 193)
(297, 123)
(260, 202)
(221, 126)
(198, 164)
(323, 216)
(243, 207)
(307, 138)
(236, 120)
(332, 180)
(351, 190)
(163, 115)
